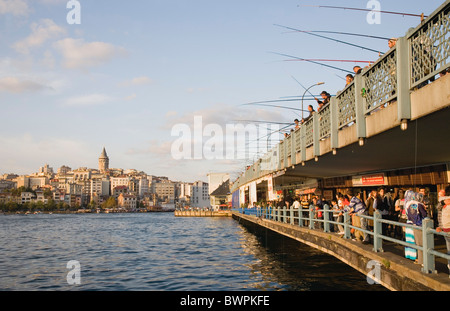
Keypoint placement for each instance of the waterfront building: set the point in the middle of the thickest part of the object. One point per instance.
(127, 202)
(27, 197)
(200, 195)
(165, 190)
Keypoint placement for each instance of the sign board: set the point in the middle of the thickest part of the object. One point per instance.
(369, 180)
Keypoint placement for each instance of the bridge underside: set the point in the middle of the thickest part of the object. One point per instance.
(425, 142)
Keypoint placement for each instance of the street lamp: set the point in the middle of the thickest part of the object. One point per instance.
(320, 83)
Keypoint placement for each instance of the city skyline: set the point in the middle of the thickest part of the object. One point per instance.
(128, 73)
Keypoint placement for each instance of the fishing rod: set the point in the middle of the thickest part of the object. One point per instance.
(332, 60)
(332, 39)
(347, 34)
(268, 122)
(314, 62)
(367, 10)
(276, 106)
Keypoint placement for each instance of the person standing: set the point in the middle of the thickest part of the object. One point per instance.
(382, 205)
(359, 209)
(443, 211)
(416, 212)
(369, 204)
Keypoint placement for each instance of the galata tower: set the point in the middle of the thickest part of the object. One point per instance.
(103, 161)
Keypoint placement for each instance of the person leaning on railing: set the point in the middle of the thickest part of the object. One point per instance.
(358, 207)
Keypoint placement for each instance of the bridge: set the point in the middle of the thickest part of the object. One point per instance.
(389, 127)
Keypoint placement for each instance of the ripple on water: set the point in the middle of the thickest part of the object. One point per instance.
(157, 251)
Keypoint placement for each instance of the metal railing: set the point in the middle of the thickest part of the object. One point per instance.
(308, 218)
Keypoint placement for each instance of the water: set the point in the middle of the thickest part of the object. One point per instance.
(159, 252)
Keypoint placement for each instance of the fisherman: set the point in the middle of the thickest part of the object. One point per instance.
(348, 79)
(357, 69)
(326, 99)
(392, 42)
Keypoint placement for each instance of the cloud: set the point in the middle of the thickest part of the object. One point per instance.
(25, 153)
(14, 7)
(15, 85)
(41, 32)
(222, 115)
(131, 97)
(78, 54)
(137, 81)
(88, 100)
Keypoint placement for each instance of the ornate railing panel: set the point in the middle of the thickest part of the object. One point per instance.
(380, 82)
(430, 47)
(309, 137)
(297, 140)
(325, 121)
(346, 106)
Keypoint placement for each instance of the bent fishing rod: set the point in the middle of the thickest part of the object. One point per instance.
(422, 16)
(345, 33)
(314, 62)
(332, 39)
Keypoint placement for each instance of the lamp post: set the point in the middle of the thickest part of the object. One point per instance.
(307, 90)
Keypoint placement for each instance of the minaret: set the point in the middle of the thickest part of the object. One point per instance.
(103, 161)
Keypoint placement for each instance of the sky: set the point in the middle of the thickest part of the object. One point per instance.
(131, 71)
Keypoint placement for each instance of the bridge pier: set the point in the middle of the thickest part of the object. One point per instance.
(392, 271)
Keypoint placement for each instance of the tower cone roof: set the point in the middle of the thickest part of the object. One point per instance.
(103, 155)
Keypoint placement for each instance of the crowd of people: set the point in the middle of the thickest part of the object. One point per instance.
(403, 206)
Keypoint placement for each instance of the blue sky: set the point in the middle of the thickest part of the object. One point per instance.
(133, 69)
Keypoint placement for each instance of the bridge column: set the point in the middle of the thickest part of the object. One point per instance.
(403, 80)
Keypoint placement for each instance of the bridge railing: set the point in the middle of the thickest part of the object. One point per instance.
(429, 46)
(420, 55)
(321, 219)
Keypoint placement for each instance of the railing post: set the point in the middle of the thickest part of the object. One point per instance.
(284, 214)
(316, 135)
(303, 143)
(359, 108)
(428, 244)
(291, 215)
(403, 79)
(334, 123)
(347, 234)
(377, 232)
(326, 224)
(311, 218)
(293, 151)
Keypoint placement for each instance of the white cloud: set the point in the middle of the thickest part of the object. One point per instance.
(41, 32)
(14, 7)
(16, 85)
(24, 154)
(78, 54)
(137, 81)
(88, 100)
